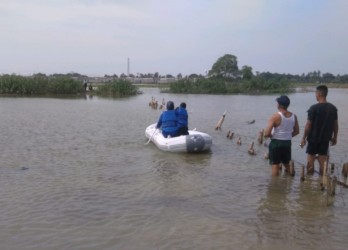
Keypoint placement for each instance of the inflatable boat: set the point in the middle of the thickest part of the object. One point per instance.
(194, 142)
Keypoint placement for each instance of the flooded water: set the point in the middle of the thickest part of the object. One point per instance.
(76, 174)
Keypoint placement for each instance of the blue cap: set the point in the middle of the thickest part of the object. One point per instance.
(283, 100)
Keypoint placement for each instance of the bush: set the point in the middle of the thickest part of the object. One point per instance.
(119, 88)
(254, 85)
(38, 85)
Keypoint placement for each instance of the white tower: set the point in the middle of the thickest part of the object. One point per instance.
(128, 67)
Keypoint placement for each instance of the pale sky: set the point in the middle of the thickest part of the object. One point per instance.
(96, 37)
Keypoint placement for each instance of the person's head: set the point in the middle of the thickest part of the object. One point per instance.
(170, 105)
(283, 101)
(322, 91)
(183, 105)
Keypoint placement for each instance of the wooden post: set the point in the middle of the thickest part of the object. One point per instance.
(260, 137)
(302, 174)
(231, 135)
(333, 186)
(251, 150)
(292, 168)
(219, 124)
(345, 169)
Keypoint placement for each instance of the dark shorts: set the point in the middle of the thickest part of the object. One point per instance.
(317, 148)
(279, 152)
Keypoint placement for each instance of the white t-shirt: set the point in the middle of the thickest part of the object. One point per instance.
(285, 128)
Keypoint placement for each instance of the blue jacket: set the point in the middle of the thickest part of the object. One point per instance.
(182, 115)
(169, 123)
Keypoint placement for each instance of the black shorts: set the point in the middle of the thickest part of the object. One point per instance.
(279, 152)
(321, 148)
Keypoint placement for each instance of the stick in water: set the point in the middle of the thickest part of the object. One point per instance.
(219, 124)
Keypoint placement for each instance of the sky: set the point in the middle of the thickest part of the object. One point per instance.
(98, 37)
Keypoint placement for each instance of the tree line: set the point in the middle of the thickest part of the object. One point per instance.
(226, 77)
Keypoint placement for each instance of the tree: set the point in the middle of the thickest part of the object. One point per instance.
(328, 77)
(193, 75)
(247, 72)
(226, 67)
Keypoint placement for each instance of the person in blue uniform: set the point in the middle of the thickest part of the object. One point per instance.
(182, 115)
(168, 121)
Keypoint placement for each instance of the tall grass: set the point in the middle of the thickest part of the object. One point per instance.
(117, 88)
(38, 85)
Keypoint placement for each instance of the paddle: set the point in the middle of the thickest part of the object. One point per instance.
(151, 136)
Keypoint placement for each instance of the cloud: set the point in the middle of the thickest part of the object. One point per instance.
(96, 37)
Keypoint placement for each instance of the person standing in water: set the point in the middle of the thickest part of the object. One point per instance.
(321, 128)
(281, 127)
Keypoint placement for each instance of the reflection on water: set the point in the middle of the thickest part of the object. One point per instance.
(76, 174)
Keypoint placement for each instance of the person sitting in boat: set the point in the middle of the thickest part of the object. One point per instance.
(182, 115)
(168, 121)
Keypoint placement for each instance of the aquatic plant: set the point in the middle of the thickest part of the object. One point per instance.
(118, 88)
(38, 85)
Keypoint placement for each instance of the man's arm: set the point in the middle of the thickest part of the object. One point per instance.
(271, 124)
(307, 128)
(296, 130)
(335, 132)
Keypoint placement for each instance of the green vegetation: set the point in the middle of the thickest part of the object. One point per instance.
(117, 88)
(226, 78)
(40, 84)
(256, 85)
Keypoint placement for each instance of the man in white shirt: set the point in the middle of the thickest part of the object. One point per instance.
(281, 127)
